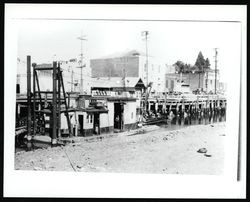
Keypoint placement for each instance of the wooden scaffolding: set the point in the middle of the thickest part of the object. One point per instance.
(43, 104)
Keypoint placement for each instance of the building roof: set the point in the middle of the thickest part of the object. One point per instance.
(95, 110)
(126, 53)
(113, 82)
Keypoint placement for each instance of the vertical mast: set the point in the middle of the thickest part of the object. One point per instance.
(82, 38)
(145, 33)
(215, 61)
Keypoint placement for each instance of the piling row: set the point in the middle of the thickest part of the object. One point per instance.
(188, 106)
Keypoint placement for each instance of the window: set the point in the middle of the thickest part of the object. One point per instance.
(137, 111)
(89, 118)
(172, 84)
(132, 115)
(17, 88)
(211, 81)
(166, 83)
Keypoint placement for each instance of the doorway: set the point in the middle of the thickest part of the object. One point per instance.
(118, 116)
(96, 124)
(80, 118)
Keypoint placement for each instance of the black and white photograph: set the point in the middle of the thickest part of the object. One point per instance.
(109, 98)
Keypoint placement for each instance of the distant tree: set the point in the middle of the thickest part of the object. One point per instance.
(182, 67)
(187, 68)
(194, 69)
(200, 62)
(207, 64)
(179, 66)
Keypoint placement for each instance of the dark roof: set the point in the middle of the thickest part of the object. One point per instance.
(121, 99)
(95, 110)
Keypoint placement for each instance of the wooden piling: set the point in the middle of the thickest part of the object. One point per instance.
(29, 97)
(177, 108)
(59, 101)
(183, 107)
(54, 105)
(34, 100)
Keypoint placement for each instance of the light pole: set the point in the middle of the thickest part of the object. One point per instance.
(82, 38)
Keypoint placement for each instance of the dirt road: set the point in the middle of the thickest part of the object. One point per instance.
(160, 151)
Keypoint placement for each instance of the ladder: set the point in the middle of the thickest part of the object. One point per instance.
(49, 103)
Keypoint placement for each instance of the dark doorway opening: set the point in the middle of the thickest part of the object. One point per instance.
(160, 108)
(80, 119)
(96, 124)
(118, 116)
(152, 107)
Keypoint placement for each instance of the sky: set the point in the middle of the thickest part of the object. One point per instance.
(48, 40)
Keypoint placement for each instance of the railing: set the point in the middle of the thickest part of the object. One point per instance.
(113, 94)
(188, 96)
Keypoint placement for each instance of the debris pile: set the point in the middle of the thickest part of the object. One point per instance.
(204, 151)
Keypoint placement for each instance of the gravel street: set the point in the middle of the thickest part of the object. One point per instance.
(159, 151)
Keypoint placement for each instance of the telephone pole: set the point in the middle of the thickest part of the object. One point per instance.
(124, 79)
(215, 61)
(72, 72)
(82, 38)
(146, 33)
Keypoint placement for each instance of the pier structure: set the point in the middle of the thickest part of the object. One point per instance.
(189, 104)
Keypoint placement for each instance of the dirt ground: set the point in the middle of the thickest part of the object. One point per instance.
(159, 151)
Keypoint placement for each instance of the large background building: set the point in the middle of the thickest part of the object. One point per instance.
(204, 81)
(132, 64)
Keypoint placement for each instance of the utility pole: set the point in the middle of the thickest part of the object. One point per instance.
(72, 72)
(124, 79)
(189, 78)
(215, 61)
(203, 76)
(82, 38)
(199, 79)
(72, 82)
(165, 100)
(109, 73)
(206, 80)
(146, 33)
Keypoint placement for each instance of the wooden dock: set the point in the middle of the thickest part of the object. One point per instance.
(190, 103)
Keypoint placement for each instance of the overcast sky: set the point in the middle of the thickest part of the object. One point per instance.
(169, 41)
